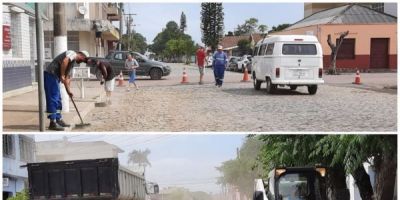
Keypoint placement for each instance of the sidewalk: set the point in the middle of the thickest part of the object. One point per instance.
(372, 81)
(21, 112)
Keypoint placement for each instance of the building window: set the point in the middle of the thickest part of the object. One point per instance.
(8, 146)
(27, 148)
(73, 40)
(48, 44)
(347, 49)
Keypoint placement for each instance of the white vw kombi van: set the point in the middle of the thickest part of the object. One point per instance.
(292, 60)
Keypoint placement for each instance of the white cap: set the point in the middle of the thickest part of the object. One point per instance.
(219, 46)
(84, 53)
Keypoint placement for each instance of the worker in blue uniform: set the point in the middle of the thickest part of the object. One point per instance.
(219, 64)
(58, 71)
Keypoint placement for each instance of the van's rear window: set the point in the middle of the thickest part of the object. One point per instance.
(299, 49)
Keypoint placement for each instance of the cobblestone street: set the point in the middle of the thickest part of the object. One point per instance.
(166, 105)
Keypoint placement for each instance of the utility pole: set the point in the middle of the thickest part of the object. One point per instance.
(129, 21)
(60, 44)
(121, 10)
(60, 28)
(39, 51)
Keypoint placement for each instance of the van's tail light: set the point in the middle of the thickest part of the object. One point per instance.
(277, 72)
(320, 73)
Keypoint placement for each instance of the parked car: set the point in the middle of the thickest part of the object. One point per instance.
(290, 60)
(209, 61)
(232, 63)
(242, 63)
(249, 66)
(156, 70)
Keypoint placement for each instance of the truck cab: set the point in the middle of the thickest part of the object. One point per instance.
(292, 183)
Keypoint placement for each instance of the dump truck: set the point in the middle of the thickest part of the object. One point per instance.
(292, 183)
(86, 179)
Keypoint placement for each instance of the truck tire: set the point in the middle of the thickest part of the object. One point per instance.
(155, 74)
(293, 87)
(270, 87)
(256, 83)
(312, 89)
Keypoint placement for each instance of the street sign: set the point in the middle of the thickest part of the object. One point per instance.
(80, 72)
(6, 37)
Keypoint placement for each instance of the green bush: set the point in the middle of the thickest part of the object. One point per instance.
(23, 195)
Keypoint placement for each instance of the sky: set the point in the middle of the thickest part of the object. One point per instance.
(187, 161)
(151, 18)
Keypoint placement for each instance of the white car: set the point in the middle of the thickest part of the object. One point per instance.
(209, 60)
(242, 63)
(288, 60)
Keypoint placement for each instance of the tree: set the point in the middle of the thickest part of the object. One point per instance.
(139, 157)
(212, 24)
(354, 150)
(344, 154)
(171, 31)
(262, 28)
(249, 27)
(242, 171)
(23, 195)
(278, 28)
(183, 25)
(182, 46)
(244, 46)
(335, 50)
(136, 40)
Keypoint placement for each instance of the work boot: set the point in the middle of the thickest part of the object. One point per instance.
(54, 126)
(62, 123)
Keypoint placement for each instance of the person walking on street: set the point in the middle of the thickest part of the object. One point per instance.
(108, 76)
(131, 64)
(58, 71)
(200, 59)
(219, 64)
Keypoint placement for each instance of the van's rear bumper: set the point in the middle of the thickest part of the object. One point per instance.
(298, 82)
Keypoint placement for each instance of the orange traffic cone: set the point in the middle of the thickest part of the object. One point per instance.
(120, 79)
(358, 78)
(184, 77)
(245, 75)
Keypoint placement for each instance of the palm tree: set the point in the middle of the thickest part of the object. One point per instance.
(139, 157)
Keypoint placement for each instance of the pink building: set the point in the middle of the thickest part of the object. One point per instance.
(370, 45)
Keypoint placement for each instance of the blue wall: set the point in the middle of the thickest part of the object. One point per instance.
(16, 77)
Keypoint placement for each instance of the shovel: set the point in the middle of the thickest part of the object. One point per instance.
(81, 125)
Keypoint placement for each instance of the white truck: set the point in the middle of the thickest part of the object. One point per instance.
(288, 60)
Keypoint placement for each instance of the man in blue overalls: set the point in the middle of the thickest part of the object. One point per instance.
(219, 63)
(57, 71)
